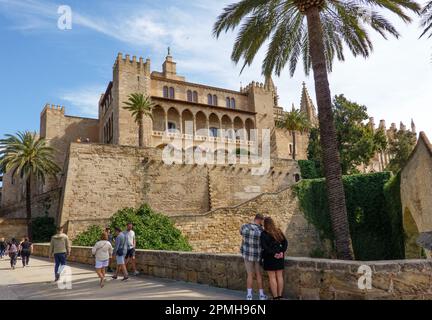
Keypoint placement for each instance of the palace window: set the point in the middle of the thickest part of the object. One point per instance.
(228, 102)
(165, 92)
(171, 126)
(195, 96)
(189, 96)
(171, 93)
(233, 103)
(215, 100)
(210, 99)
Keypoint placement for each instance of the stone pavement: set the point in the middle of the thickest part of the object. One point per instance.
(36, 282)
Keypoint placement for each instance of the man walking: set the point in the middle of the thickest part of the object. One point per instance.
(251, 252)
(59, 249)
(131, 245)
(119, 253)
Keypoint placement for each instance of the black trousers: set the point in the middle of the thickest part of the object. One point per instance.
(13, 258)
(25, 257)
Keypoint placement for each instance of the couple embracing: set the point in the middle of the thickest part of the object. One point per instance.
(264, 246)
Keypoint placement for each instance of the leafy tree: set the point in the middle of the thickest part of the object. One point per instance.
(153, 230)
(139, 106)
(43, 229)
(400, 147)
(315, 31)
(294, 121)
(28, 158)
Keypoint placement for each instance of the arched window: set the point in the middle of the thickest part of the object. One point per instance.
(213, 132)
(228, 102)
(233, 103)
(215, 100)
(189, 96)
(209, 99)
(165, 92)
(171, 93)
(195, 96)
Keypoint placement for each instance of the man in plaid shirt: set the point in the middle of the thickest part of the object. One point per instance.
(251, 252)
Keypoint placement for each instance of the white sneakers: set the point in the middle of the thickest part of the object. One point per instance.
(261, 297)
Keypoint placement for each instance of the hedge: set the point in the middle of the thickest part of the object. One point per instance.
(374, 213)
(308, 169)
(153, 230)
(43, 228)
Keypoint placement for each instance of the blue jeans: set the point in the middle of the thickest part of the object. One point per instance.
(60, 260)
(2, 251)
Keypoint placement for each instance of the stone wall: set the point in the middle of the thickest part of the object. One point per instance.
(102, 179)
(416, 194)
(305, 278)
(284, 139)
(13, 228)
(218, 230)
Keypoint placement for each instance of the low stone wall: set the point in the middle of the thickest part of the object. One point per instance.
(305, 278)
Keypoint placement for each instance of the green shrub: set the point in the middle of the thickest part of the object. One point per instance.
(308, 169)
(43, 228)
(153, 230)
(373, 226)
(89, 237)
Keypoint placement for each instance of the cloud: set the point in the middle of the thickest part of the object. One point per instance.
(83, 101)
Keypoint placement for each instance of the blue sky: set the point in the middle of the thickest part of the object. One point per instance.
(40, 63)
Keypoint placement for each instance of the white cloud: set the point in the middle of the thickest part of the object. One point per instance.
(83, 101)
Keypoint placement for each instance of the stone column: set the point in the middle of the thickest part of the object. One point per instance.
(166, 120)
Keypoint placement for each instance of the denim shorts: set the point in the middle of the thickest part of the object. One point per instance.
(101, 264)
(120, 259)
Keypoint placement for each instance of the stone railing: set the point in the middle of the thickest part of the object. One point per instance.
(305, 278)
(201, 138)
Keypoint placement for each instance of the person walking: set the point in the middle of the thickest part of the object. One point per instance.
(131, 245)
(102, 251)
(110, 240)
(26, 249)
(2, 247)
(119, 253)
(274, 245)
(59, 250)
(12, 250)
(251, 253)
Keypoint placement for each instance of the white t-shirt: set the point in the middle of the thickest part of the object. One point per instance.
(130, 236)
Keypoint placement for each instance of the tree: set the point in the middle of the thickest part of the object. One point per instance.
(426, 21)
(294, 121)
(139, 106)
(400, 147)
(315, 30)
(27, 157)
(357, 141)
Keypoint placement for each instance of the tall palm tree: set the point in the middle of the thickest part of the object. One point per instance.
(315, 30)
(294, 121)
(139, 105)
(426, 21)
(28, 157)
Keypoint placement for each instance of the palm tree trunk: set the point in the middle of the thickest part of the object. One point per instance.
(28, 209)
(294, 144)
(141, 133)
(332, 166)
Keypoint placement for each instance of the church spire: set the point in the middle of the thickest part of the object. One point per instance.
(270, 86)
(307, 106)
(413, 127)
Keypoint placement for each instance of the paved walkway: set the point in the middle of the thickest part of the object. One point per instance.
(35, 282)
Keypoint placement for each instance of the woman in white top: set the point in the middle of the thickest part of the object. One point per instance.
(102, 251)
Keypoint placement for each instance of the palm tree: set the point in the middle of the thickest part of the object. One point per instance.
(426, 21)
(294, 121)
(140, 106)
(28, 157)
(316, 30)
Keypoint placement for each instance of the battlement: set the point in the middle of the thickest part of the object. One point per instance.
(53, 107)
(127, 61)
(254, 85)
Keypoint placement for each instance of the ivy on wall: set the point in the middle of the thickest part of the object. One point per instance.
(374, 213)
(308, 169)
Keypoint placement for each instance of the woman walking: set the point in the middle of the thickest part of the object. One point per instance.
(274, 245)
(12, 250)
(26, 249)
(102, 251)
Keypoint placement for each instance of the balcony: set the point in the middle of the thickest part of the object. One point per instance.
(200, 138)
